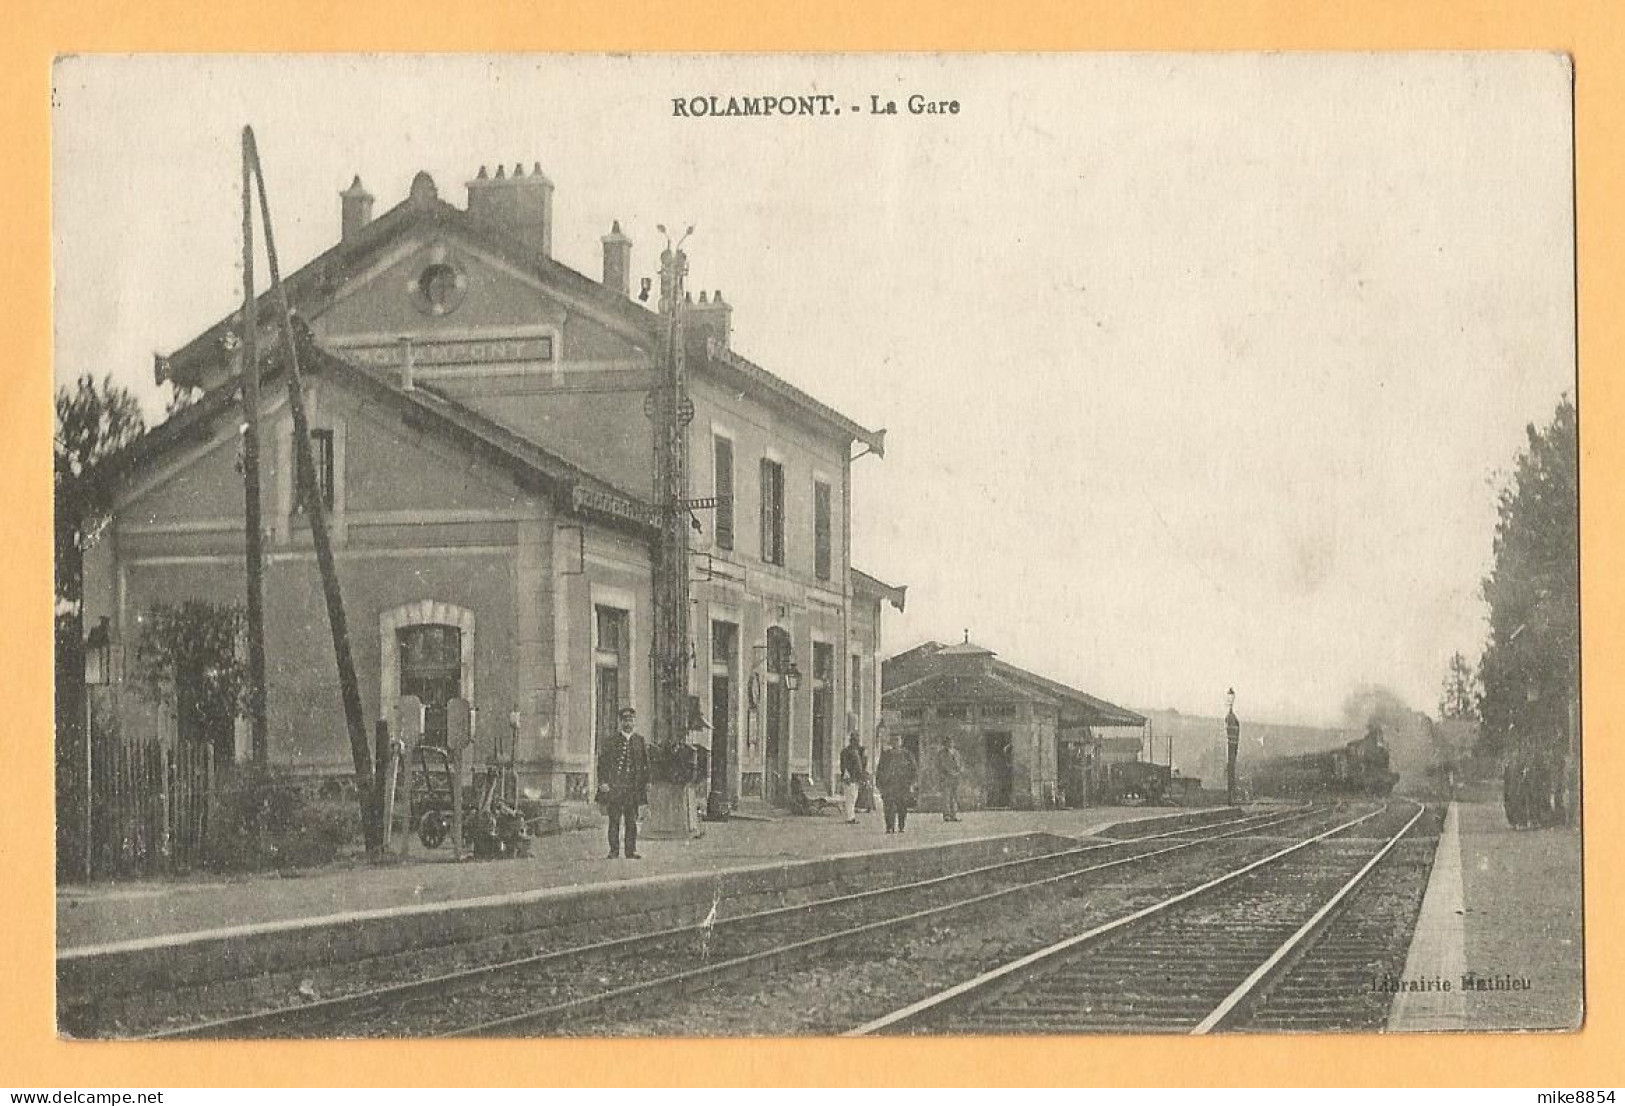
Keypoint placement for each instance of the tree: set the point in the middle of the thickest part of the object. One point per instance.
(187, 658)
(1529, 671)
(1459, 697)
(181, 397)
(93, 422)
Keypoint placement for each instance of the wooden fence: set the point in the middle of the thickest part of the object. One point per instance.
(146, 810)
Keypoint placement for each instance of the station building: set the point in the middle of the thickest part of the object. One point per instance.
(1027, 741)
(478, 421)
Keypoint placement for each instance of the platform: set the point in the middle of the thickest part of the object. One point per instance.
(1501, 924)
(122, 911)
(191, 932)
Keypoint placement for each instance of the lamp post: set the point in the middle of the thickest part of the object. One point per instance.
(1232, 739)
(98, 673)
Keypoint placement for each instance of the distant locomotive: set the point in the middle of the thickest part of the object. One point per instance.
(1358, 768)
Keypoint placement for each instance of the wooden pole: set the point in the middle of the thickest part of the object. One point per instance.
(253, 531)
(349, 687)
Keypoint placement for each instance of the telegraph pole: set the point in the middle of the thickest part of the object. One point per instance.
(316, 510)
(254, 532)
(671, 411)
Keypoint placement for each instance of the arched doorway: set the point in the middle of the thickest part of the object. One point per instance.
(427, 650)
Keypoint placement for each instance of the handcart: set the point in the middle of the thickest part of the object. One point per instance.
(493, 826)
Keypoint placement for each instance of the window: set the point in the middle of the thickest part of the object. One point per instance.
(772, 512)
(723, 455)
(610, 623)
(321, 454)
(431, 667)
(821, 550)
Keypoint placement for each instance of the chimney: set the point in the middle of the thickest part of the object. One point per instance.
(617, 260)
(520, 205)
(355, 210)
(712, 315)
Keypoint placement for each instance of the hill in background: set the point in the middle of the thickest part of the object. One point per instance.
(1414, 749)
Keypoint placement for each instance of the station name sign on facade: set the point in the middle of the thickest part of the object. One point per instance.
(449, 352)
(608, 503)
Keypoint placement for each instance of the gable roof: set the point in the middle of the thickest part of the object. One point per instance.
(315, 285)
(573, 489)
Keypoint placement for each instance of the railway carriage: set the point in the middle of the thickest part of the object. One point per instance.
(1357, 768)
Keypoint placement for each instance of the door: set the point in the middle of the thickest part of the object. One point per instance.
(722, 738)
(724, 711)
(998, 768)
(606, 709)
(775, 747)
(776, 720)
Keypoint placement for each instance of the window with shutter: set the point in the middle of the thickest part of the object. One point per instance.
(772, 512)
(723, 454)
(821, 536)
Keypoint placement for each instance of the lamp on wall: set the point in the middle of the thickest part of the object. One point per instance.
(762, 660)
(99, 655)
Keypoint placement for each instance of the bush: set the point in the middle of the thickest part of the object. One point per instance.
(274, 825)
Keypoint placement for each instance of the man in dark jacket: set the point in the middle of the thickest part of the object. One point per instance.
(896, 774)
(854, 773)
(623, 782)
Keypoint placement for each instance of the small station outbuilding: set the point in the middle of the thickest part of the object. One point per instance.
(1027, 741)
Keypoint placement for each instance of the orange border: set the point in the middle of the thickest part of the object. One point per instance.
(30, 1054)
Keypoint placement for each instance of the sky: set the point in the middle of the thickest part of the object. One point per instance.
(1197, 371)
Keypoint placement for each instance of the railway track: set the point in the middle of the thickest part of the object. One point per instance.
(1286, 941)
(544, 991)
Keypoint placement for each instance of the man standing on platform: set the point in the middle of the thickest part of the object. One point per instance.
(896, 774)
(623, 782)
(950, 770)
(854, 772)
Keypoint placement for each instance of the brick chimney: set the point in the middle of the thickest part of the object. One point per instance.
(520, 205)
(617, 260)
(355, 210)
(711, 314)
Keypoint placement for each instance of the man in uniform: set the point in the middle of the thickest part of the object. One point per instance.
(896, 774)
(623, 782)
